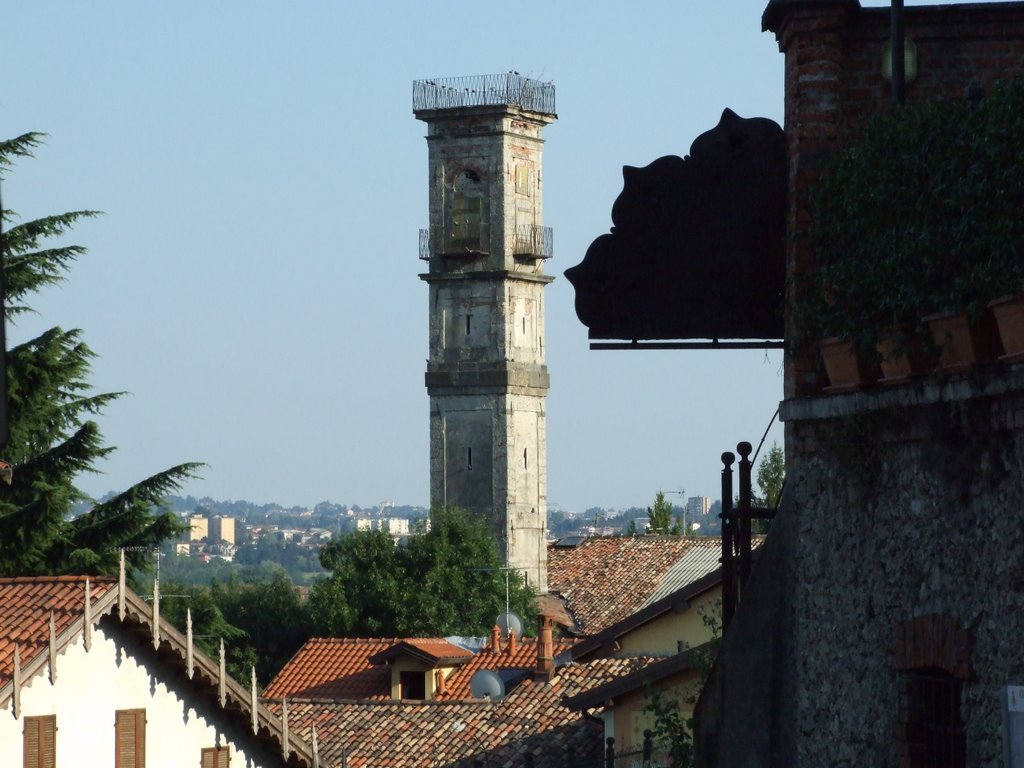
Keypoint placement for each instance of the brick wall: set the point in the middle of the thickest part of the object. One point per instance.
(834, 82)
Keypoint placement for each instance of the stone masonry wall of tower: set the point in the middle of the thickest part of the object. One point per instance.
(486, 374)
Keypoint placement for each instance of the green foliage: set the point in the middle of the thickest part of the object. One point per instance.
(448, 580)
(269, 612)
(660, 517)
(771, 477)
(52, 437)
(771, 474)
(921, 215)
(209, 626)
(258, 614)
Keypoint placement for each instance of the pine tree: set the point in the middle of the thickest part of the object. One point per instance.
(53, 439)
(660, 518)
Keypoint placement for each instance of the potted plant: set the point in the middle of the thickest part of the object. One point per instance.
(917, 228)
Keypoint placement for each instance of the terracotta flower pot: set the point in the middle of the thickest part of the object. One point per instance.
(902, 358)
(1009, 314)
(962, 345)
(845, 370)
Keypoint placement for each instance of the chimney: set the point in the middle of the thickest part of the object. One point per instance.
(545, 650)
(439, 683)
(495, 639)
(511, 647)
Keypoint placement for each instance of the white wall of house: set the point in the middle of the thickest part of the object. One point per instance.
(114, 675)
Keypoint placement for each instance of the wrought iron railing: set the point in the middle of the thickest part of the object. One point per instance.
(533, 241)
(425, 244)
(434, 242)
(484, 90)
(648, 755)
(530, 241)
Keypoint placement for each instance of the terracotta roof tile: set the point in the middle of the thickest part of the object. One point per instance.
(340, 668)
(25, 606)
(524, 657)
(439, 652)
(530, 719)
(605, 579)
(334, 668)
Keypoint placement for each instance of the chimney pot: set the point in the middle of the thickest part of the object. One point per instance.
(495, 639)
(511, 649)
(545, 650)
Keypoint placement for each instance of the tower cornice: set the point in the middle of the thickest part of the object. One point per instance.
(495, 275)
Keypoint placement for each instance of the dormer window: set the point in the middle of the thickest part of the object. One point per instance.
(416, 665)
(412, 685)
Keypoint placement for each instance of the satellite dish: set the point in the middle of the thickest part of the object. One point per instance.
(509, 622)
(485, 684)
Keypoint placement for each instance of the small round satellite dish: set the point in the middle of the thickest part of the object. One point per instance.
(485, 684)
(510, 622)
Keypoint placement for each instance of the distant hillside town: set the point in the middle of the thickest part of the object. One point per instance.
(249, 533)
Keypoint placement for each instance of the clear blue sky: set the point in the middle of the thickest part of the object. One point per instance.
(253, 283)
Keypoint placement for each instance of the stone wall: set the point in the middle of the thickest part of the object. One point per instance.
(909, 506)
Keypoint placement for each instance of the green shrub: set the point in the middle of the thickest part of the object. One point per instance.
(923, 214)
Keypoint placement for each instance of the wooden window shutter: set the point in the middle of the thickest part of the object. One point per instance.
(130, 738)
(39, 746)
(216, 757)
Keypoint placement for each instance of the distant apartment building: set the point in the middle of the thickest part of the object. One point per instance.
(198, 528)
(697, 506)
(222, 529)
(396, 526)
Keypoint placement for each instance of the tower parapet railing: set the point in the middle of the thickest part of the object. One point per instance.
(507, 88)
(534, 242)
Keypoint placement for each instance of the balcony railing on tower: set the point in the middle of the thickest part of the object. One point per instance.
(509, 88)
(533, 242)
(454, 245)
(530, 242)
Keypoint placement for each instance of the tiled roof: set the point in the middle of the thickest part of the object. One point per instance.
(431, 651)
(25, 607)
(676, 602)
(523, 656)
(340, 669)
(530, 719)
(335, 668)
(638, 679)
(605, 579)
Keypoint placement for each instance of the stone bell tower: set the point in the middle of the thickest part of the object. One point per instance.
(485, 249)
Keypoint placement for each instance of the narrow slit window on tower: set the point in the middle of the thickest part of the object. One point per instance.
(469, 458)
(468, 320)
(524, 458)
(524, 325)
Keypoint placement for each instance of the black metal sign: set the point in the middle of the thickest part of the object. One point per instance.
(697, 248)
